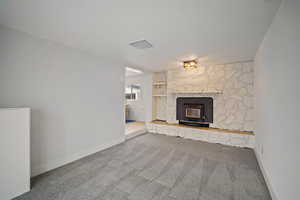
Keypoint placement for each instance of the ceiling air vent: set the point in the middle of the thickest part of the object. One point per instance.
(141, 44)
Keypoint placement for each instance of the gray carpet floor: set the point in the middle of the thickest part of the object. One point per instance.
(156, 167)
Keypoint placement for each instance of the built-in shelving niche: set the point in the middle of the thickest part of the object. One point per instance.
(159, 93)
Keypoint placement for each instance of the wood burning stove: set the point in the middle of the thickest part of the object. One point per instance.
(194, 111)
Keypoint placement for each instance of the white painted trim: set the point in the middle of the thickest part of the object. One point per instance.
(267, 180)
(36, 170)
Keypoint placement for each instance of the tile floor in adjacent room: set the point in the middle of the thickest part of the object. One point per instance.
(133, 129)
(156, 167)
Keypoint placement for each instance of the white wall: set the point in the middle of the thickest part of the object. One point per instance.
(76, 100)
(277, 94)
(141, 110)
(14, 152)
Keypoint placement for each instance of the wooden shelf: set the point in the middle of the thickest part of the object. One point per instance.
(159, 83)
(159, 121)
(160, 95)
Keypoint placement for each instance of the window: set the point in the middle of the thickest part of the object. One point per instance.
(132, 92)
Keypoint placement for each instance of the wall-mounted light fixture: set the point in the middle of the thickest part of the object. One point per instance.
(190, 64)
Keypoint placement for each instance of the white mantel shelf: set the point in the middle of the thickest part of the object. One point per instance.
(197, 92)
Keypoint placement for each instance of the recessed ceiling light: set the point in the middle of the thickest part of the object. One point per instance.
(141, 44)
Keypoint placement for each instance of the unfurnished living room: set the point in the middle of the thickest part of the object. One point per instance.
(149, 100)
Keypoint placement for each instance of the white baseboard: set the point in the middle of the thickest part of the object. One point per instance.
(36, 170)
(269, 185)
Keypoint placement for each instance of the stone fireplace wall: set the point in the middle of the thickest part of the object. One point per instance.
(233, 107)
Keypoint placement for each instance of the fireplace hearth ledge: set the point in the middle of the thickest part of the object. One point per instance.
(211, 135)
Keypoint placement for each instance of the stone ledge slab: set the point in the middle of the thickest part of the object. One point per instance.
(206, 135)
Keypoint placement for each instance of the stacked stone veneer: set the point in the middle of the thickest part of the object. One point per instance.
(233, 107)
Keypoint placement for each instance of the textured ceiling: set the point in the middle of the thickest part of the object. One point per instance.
(215, 31)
